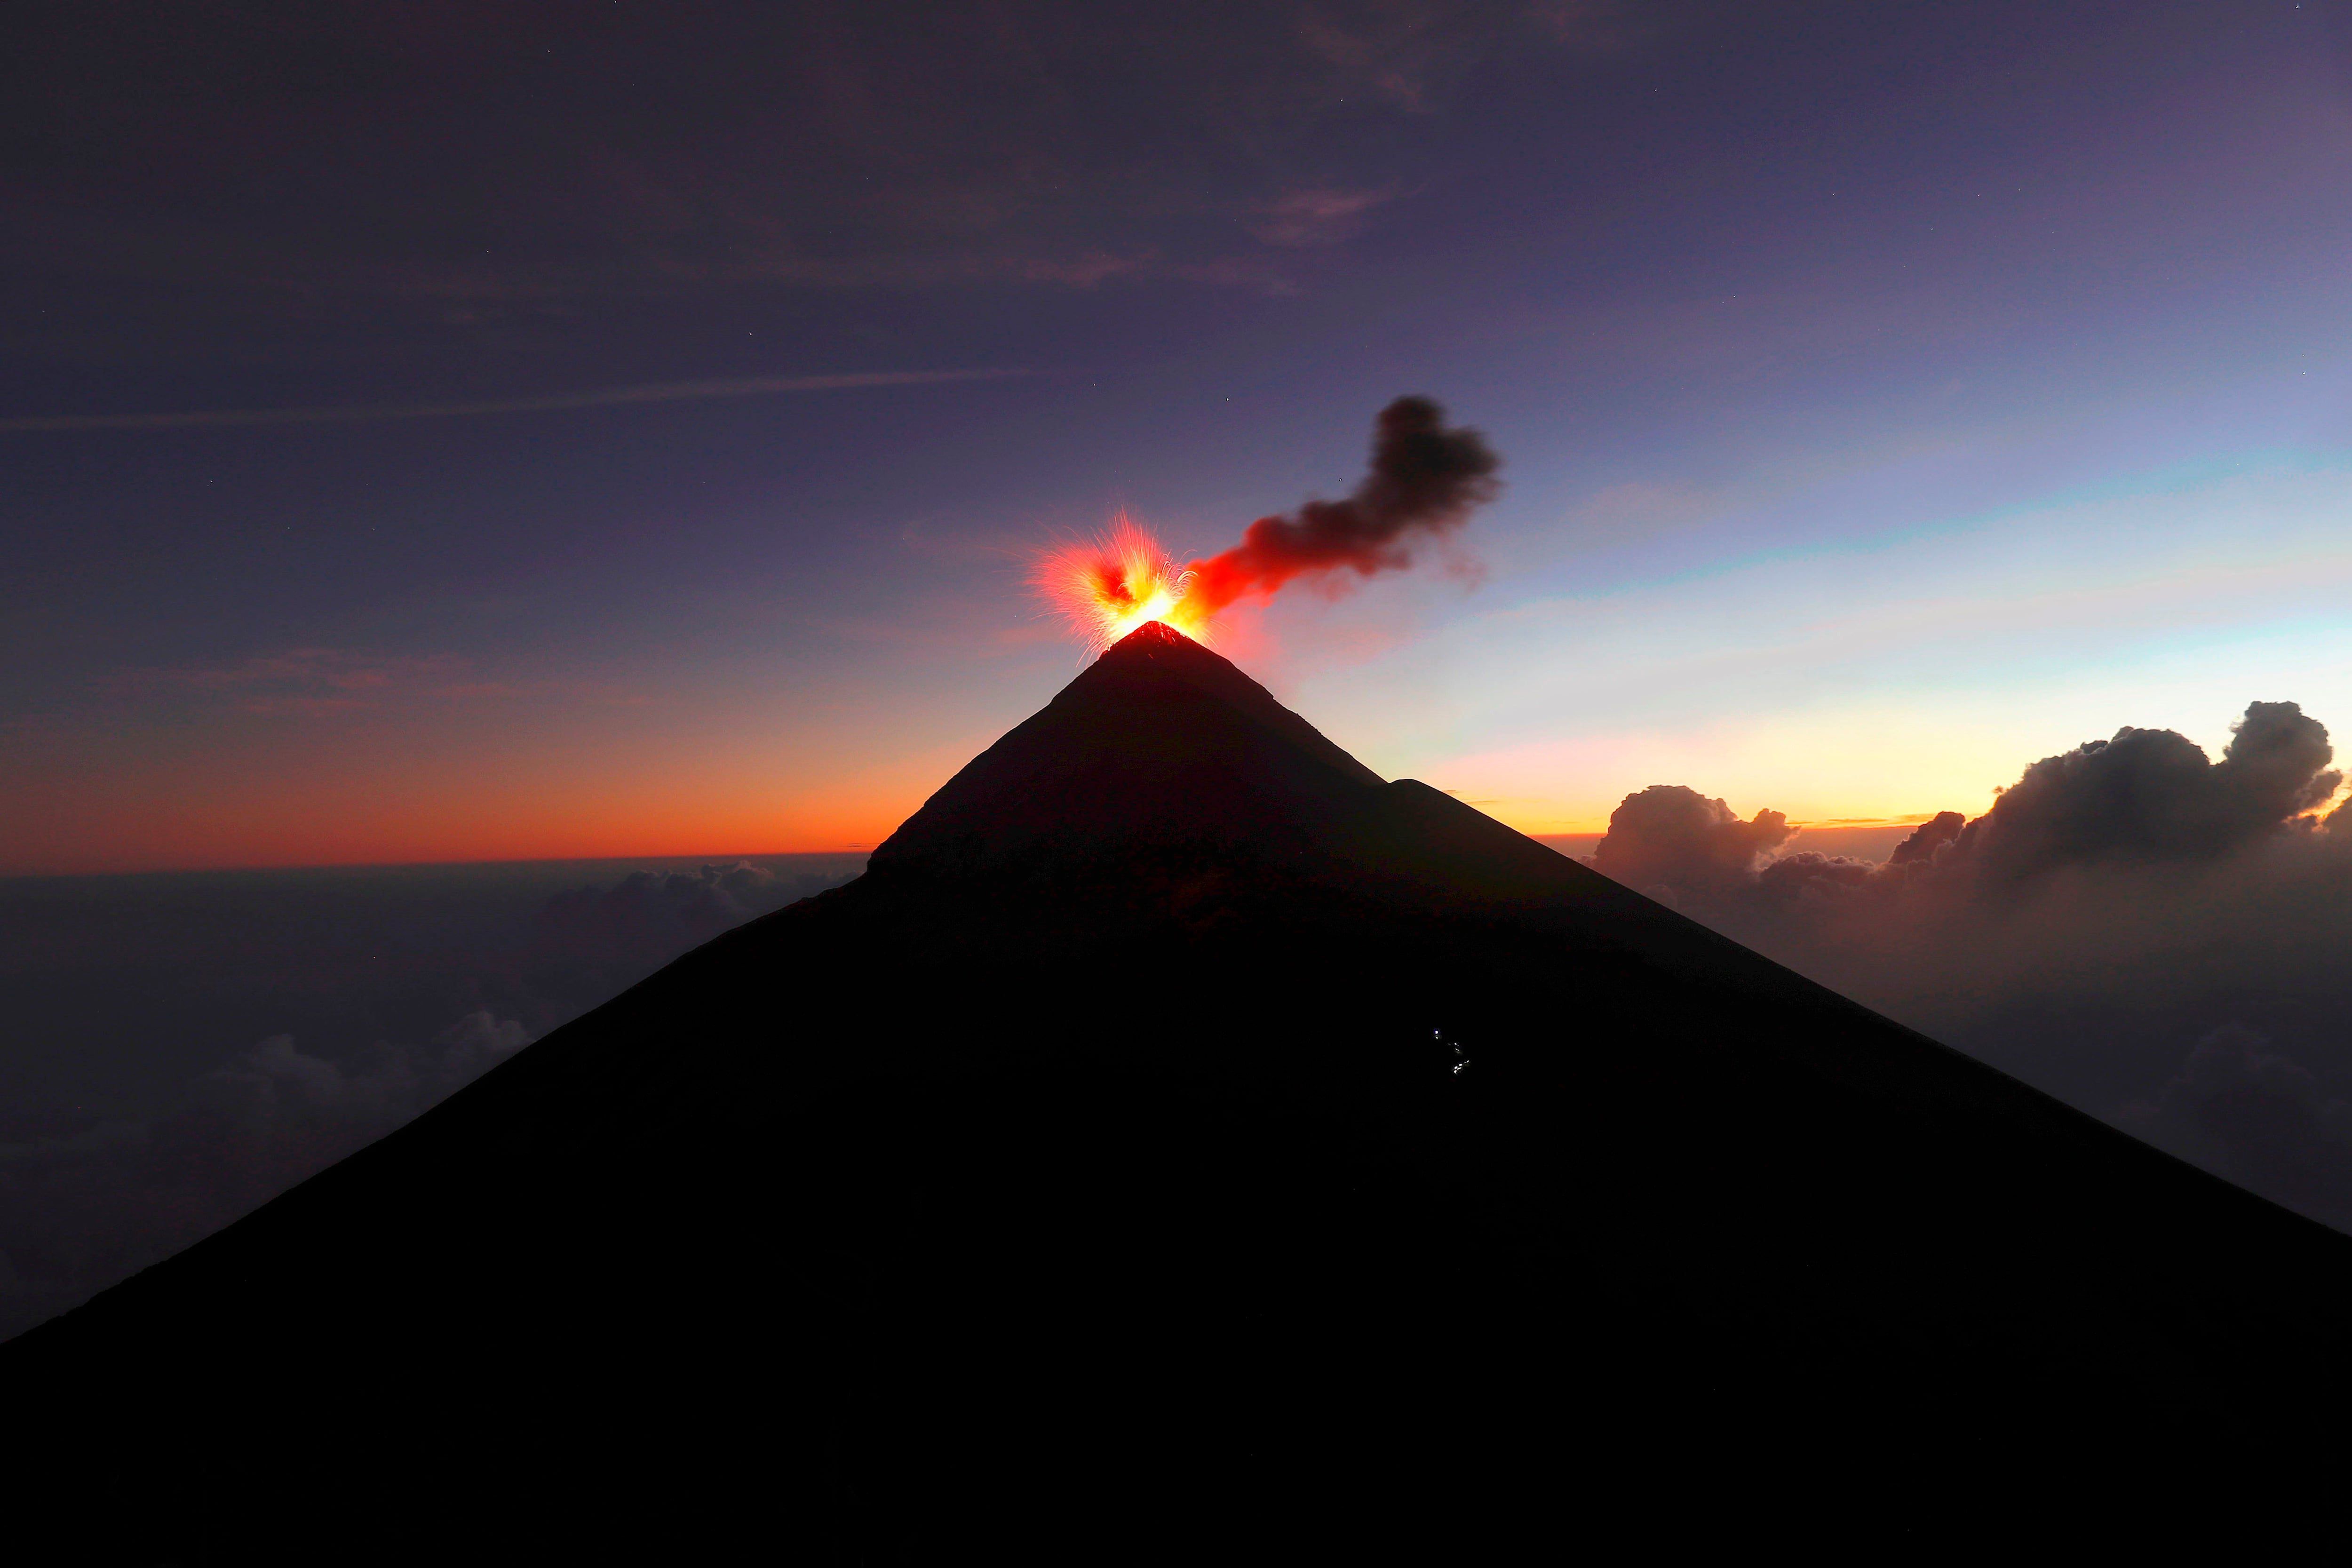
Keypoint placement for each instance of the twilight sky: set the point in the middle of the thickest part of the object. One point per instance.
(664, 402)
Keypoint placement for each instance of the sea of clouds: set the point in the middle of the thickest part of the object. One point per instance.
(176, 1050)
(2157, 937)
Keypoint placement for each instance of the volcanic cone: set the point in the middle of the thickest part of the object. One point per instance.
(1181, 1140)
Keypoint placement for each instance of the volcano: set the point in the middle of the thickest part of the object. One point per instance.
(1181, 1139)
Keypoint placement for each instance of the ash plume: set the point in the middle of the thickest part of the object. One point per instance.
(1426, 480)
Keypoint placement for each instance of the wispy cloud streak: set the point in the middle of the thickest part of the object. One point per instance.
(602, 397)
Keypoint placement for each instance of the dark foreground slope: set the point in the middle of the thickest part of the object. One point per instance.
(1181, 1140)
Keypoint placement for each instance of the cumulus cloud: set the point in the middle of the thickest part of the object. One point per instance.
(2144, 796)
(1672, 837)
(1930, 835)
(2161, 938)
(2152, 794)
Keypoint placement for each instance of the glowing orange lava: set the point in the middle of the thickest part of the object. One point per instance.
(1109, 586)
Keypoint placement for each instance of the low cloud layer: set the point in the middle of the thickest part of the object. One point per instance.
(79, 1212)
(2239, 1108)
(2161, 938)
(140, 1119)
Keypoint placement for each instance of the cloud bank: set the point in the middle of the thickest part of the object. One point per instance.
(1669, 838)
(2160, 938)
(401, 986)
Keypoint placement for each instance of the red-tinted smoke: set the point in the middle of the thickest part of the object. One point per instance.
(1425, 479)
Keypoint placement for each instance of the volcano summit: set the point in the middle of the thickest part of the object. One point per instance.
(1179, 1133)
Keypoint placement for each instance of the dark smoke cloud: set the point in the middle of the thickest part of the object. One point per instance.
(2161, 938)
(1424, 482)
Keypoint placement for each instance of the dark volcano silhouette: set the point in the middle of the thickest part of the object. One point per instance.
(1180, 1139)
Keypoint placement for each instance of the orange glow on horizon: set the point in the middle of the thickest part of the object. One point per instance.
(356, 819)
(1109, 586)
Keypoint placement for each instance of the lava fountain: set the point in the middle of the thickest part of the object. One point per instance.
(1425, 480)
(1109, 586)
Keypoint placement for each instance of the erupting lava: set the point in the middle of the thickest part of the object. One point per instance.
(1109, 586)
(1425, 480)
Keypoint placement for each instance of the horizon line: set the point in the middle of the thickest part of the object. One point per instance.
(14, 875)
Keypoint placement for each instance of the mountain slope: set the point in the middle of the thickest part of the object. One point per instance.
(1180, 1129)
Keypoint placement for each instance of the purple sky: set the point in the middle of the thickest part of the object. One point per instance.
(1889, 396)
